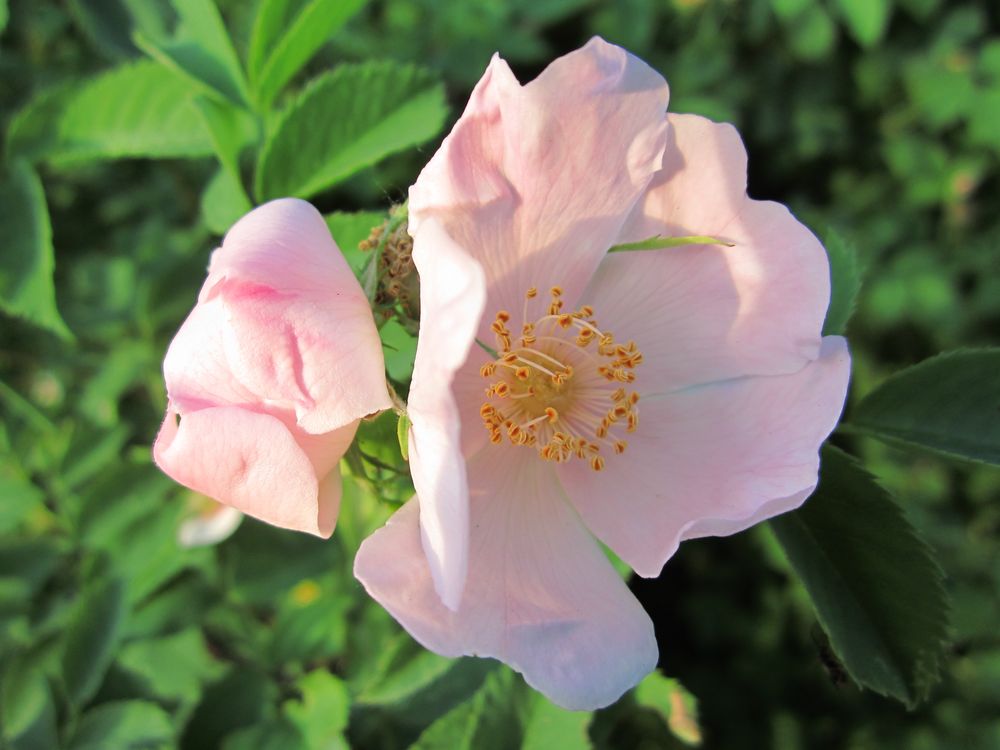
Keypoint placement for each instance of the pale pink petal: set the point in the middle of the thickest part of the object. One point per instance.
(706, 313)
(250, 461)
(196, 367)
(541, 596)
(288, 322)
(452, 293)
(535, 181)
(712, 459)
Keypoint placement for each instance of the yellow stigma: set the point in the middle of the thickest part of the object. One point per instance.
(555, 391)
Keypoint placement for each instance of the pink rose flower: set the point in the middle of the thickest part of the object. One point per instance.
(643, 398)
(271, 372)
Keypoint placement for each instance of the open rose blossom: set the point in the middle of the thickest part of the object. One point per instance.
(638, 398)
(271, 372)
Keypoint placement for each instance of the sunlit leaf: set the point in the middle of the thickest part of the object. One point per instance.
(231, 130)
(403, 436)
(223, 202)
(173, 667)
(136, 110)
(321, 714)
(675, 705)
(662, 243)
(26, 255)
(349, 229)
(286, 34)
(202, 51)
(949, 404)
(549, 726)
(399, 347)
(876, 586)
(866, 19)
(368, 111)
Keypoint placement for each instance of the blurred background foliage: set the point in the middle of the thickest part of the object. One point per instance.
(877, 119)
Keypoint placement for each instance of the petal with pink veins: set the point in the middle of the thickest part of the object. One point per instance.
(704, 313)
(541, 596)
(712, 459)
(536, 181)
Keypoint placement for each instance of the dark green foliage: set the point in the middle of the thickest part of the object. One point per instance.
(874, 582)
(949, 404)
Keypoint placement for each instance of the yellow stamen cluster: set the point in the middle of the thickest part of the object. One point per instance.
(560, 389)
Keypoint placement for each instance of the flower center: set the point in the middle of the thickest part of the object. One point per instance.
(562, 387)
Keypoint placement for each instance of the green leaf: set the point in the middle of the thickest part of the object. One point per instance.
(403, 436)
(231, 130)
(136, 110)
(124, 725)
(284, 40)
(223, 202)
(675, 705)
(949, 404)
(790, 9)
(20, 407)
(174, 667)
(278, 734)
(488, 720)
(238, 700)
(21, 498)
(367, 112)
(399, 347)
(875, 585)
(321, 715)
(4, 15)
(549, 726)
(91, 637)
(866, 19)
(27, 709)
(107, 24)
(26, 256)
(845, 283)
(24, 694)
(661, 243)
(202, 51)
(813, 33)
(310, 626)
(349, 229)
